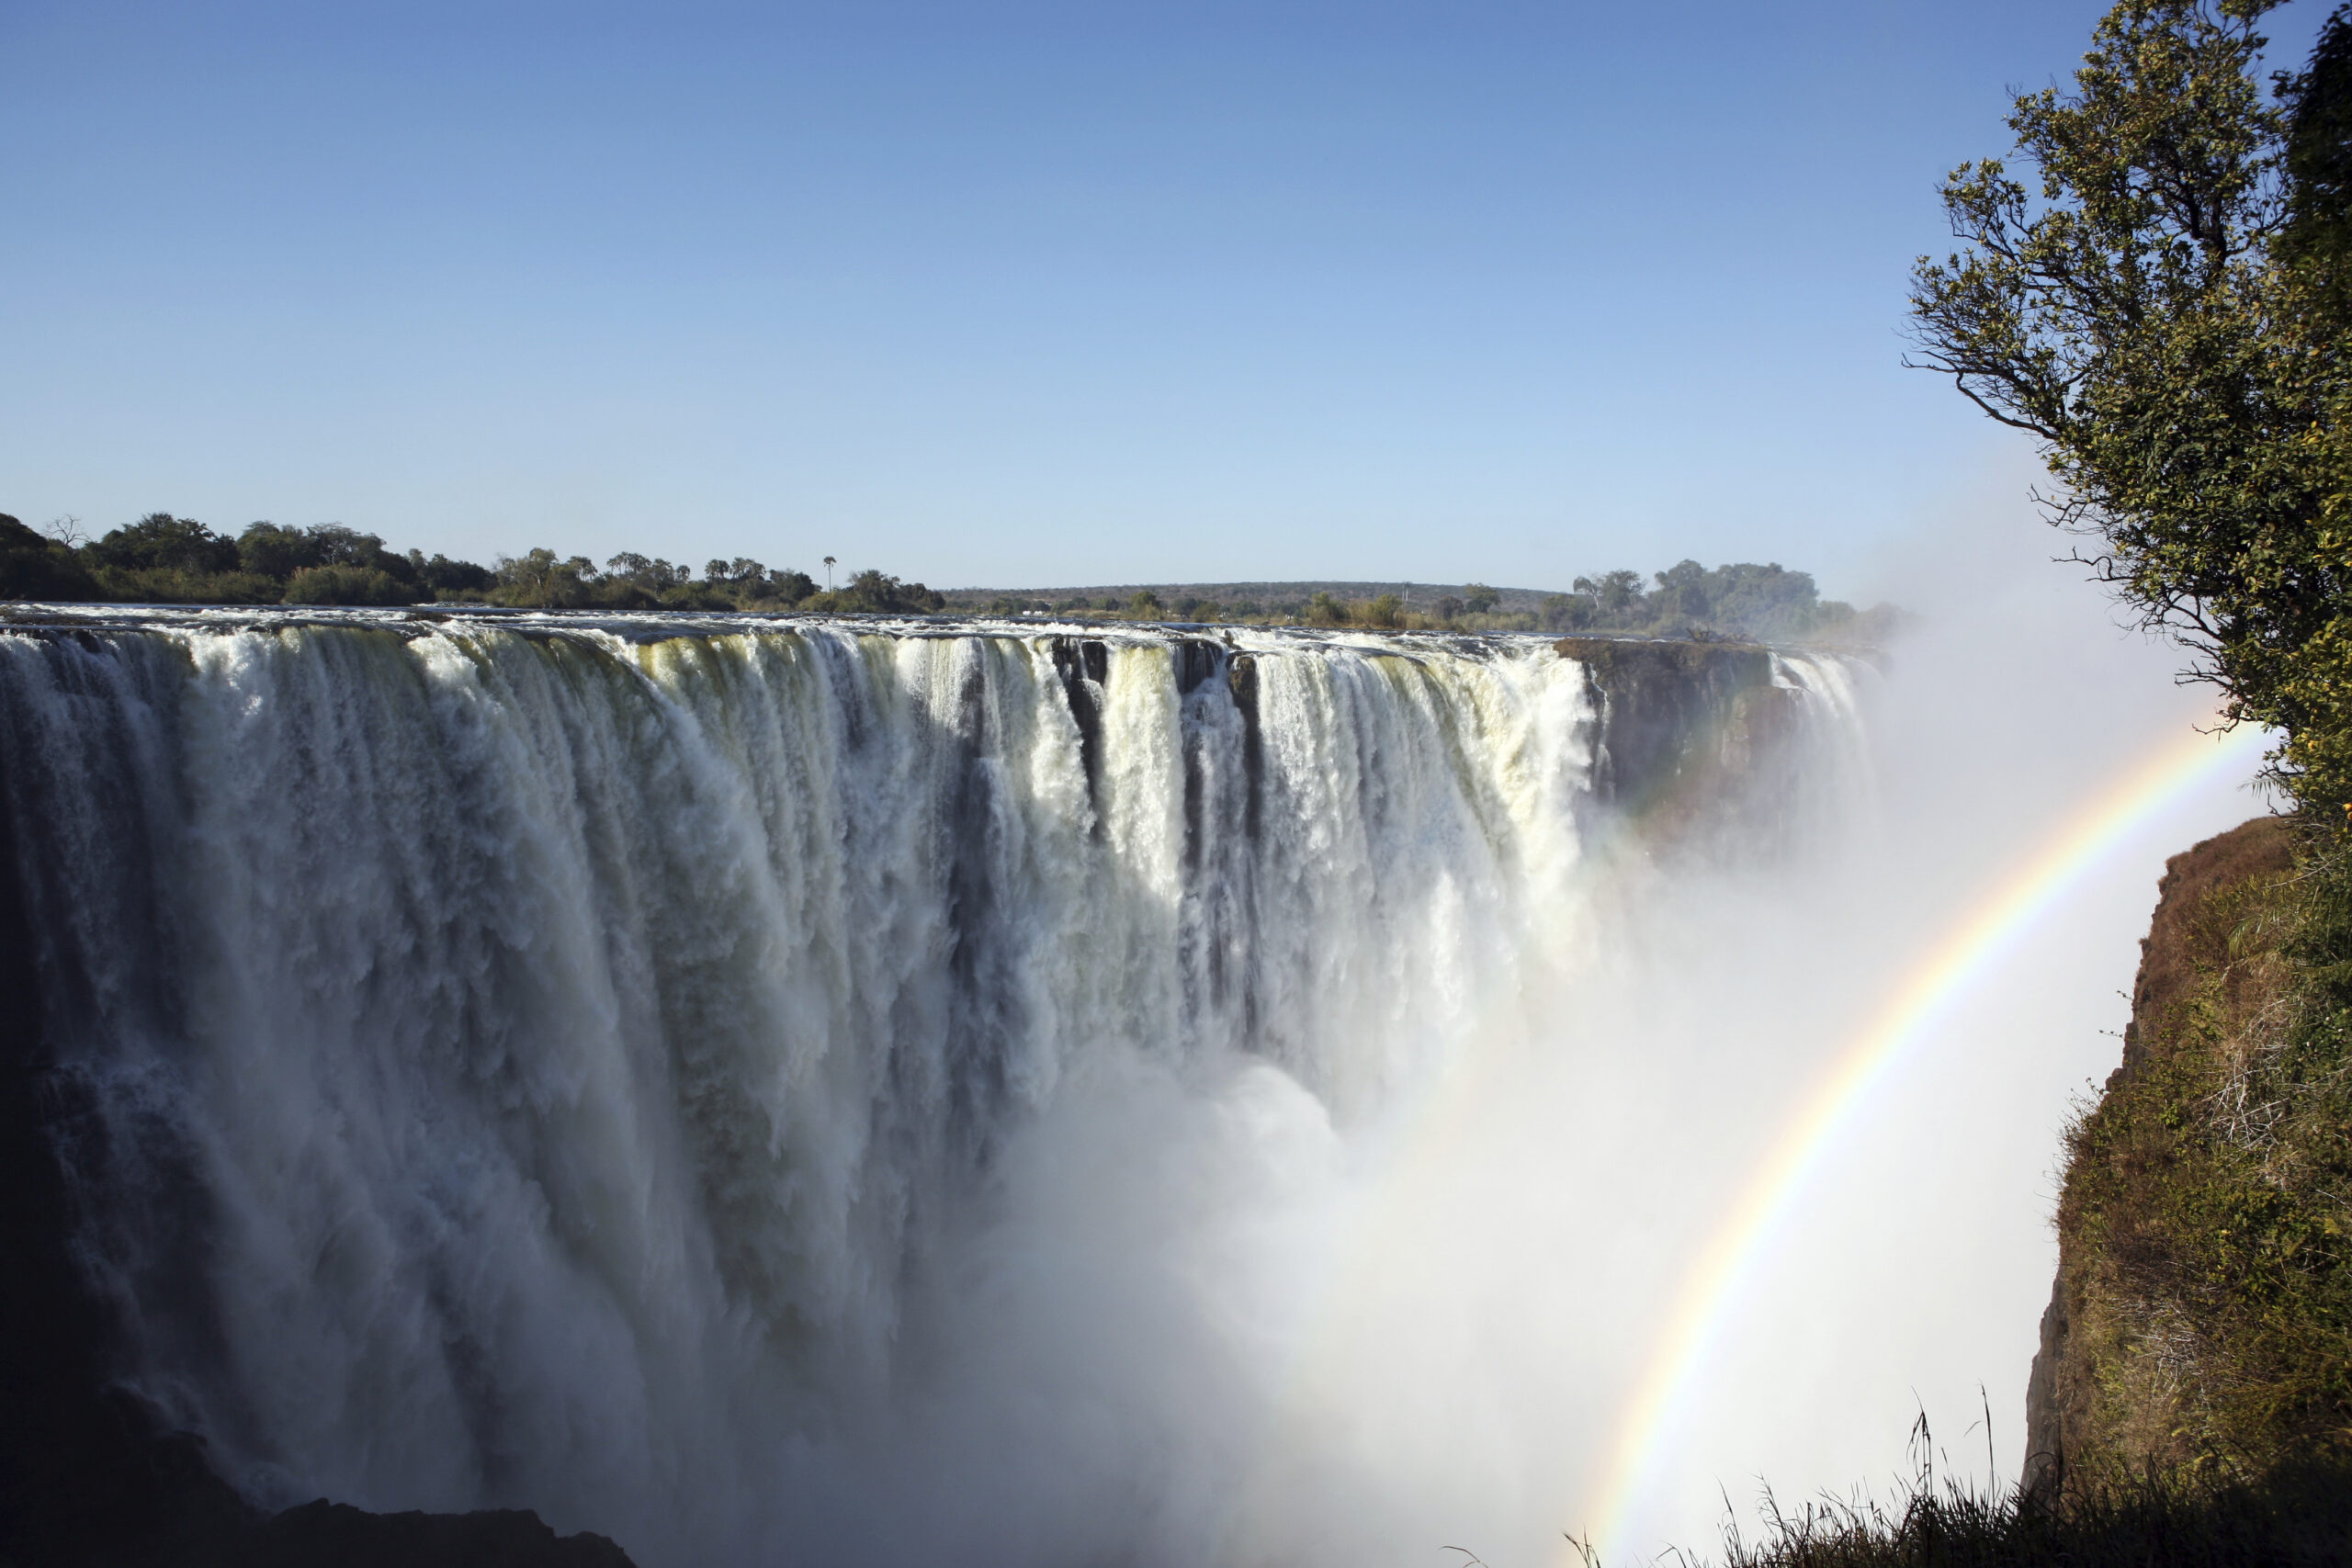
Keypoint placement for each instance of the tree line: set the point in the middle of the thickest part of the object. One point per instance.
(1739, 600)
(164, 559)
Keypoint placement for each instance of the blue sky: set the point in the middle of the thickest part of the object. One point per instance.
(1009, 294)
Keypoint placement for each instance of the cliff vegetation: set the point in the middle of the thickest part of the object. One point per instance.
(2201, 1322)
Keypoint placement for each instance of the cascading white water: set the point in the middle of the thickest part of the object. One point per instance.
(566, 1063)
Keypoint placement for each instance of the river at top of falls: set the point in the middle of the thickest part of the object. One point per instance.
(631, 1067)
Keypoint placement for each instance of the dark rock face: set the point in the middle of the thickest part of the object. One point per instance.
(2046, 1413)
(1084, 664)
(1196, 660)
(1694, 741)
(327, 1533)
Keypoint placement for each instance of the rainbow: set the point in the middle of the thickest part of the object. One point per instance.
(1908, 1019)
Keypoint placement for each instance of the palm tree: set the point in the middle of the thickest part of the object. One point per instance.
(828, 574)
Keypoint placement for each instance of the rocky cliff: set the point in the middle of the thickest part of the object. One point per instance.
(1697, 742)
(2146, 1352)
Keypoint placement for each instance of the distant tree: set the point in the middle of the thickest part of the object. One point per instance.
(738, 573)
(280, 554)
(339, 546)
(1477, 598)
(1766, 601)
(877, 592)
(1682, 590)
(1387, 610)
(1616, 592)
(1446, 607)
(1143, 602)
(166, 560)
(745, 582)
(789, 586)
(267, 550)
(32, 567)
(1325, 611)
(538, 580)
(160, 541)
(651, 573)
(444, 576)
(871, 591)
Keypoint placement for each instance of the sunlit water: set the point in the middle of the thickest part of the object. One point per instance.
(899, 1093)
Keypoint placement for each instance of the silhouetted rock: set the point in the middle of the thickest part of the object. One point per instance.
(334, 1535)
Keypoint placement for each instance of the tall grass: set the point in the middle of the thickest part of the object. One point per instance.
(2297, 1516)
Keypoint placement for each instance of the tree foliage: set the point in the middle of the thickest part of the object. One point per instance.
(2132, 305)
(1768, 603)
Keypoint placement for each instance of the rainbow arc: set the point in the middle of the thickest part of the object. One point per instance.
(1706, 1306)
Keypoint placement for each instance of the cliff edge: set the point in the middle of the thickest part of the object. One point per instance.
(2188, 1194)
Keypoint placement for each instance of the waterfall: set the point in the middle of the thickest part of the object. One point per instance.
(564, 1063)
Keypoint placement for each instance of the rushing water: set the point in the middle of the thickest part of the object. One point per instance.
(556, 1062)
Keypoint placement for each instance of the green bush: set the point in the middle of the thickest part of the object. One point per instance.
(346, 585)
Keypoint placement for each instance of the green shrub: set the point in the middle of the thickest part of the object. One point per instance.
(346, 585)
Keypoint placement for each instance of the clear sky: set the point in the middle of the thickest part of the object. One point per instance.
(1009, 294)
